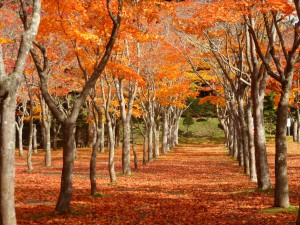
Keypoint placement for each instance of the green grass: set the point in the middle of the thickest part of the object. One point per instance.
(204, 130)
(275, 210)
(204, 127)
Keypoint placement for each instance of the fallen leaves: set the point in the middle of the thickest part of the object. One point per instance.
(190, 185)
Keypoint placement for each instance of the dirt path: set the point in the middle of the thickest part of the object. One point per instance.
(190, 185)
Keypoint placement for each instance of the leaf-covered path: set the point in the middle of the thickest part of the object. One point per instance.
(190, 185)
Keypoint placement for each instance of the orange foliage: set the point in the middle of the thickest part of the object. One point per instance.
(215, 100)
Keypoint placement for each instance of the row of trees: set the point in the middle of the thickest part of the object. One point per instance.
(241, 50)
(86, 63)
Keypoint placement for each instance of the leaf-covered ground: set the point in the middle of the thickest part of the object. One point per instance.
(190, 185)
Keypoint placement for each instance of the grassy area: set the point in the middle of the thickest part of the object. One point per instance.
(203, 130)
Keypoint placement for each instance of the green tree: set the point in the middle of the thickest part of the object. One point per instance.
(188, 121)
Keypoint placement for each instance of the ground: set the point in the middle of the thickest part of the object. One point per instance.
(192, 184)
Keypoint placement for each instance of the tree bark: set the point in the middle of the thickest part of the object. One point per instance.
(126, 148)
(156, 139)
(165, 132)
(9, 85)
(66, 187)
(150, 138)
(20, 126)
(262, 168)
(245, 135)
(56, 130)
(30, 134)
(281, 179)
(7, 159)
(253, 176)
(133, 148)
(34, 140)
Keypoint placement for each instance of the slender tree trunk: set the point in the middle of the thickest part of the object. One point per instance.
(133, 148)
(75, 144)
(46, 127)
(262, 168)
(176, 131)
(145, 159)
(150, 139)
(239, 143)
(253, 176)
(20, 138)
(281, 179)
(102, 137)
(235, 143)
(47, 146)
(93, 161)
(56, 130)
(29, 153)
(298, 121)
(245, 135)
(126, 148)
(117, 133)
(111, 163)
(156, 139)
(165, 133)
(231, 136)
(66, 189)
(34, 140)
(7, 159)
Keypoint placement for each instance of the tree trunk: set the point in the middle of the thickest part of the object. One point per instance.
(47, 147)
(66, 188)
(117, 133)
(240, 147)
(245, 135)
(145, 160)
(93, 162)
(231, 135)
(111, 150)
(56, 130)
(133, 148)
(235, 143)
(20, 138)
(150, 139)
(176, 140)
(102, 138)
(156, 139)
(7, 159)
(126, 148)
(29, 153)
(298, 122)
(46, 127)
(253, 176)
(281, 179)
(165, 133)
(262, 168)
(34, 140)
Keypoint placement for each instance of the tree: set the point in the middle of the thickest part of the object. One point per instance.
(10, 80)
(188, 121)
(44, 69)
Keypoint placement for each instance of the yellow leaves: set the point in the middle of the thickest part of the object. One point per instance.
(5, 41)
(87, 36)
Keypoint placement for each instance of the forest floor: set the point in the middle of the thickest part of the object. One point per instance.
(192, 184)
